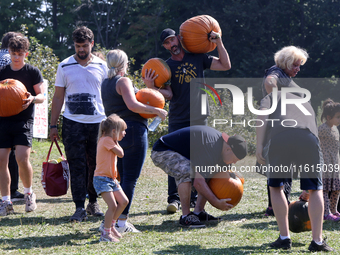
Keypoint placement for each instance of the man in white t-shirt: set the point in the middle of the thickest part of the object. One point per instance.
(78, 84)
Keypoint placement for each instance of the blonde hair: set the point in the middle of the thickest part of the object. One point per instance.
(286, 57)
(113, 122)
(116, 61)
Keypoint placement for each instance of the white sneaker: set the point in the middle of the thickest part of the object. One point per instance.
(30, 199)
(6, 208)
(127, 228)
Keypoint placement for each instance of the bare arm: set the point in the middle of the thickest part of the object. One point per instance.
(57, 104)
(118, 150)
(260, 136)
(125, 89)
(222, 63)
(202, 188)
(149, 82)
(38, 99)
(270, 83)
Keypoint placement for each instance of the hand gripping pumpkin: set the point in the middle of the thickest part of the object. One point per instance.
(150, 97)
(161, 68)
(298, 217)
(12, 95)
(227, 185)
(195, 33)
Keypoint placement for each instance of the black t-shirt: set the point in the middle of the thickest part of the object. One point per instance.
(202, 145)
(182, 72)
(29, 76)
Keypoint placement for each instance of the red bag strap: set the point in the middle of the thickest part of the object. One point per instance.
(49, 152)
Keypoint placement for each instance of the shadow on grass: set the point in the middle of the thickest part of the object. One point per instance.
(45, 241)
(57, 200)
(198, 250)
(162, 212)
(25, 221)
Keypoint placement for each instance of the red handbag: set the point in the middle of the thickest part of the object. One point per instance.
(55, 177)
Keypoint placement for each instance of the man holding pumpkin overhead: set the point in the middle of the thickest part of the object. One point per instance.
(186, 155)
(184, 67)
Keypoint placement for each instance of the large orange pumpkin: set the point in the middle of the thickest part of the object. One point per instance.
(227, 185)
(150, 97)
(195, 33)
(298, 217)
(161, 68)
(12, 95)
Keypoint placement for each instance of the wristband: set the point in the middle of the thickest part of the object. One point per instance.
(33, 101)
(53, 126)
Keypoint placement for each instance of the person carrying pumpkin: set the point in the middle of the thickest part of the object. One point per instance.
(288, 146)
(185, 154)
(184, 67)
(20, 133)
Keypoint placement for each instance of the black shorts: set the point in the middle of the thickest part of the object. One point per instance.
(295, 150)
(15, 133)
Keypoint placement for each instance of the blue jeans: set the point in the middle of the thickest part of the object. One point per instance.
(135, 145)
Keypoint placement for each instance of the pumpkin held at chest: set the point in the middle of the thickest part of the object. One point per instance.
(161, 69)
(12, 95)
(150, 97)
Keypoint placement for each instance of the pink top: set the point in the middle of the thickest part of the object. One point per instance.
(106, 158)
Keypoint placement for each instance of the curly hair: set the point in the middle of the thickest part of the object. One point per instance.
(18, 43)
(81, 34)
(286, 57)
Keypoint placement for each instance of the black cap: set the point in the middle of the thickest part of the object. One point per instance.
(166, 33)
(237, 144)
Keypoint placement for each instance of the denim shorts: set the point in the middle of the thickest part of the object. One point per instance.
(105, 184)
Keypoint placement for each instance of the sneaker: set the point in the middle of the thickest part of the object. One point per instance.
(101, 227)
(331, 217)
(93, 209)
(269, 211)
(128, 228)
(337, 214)
(107, 237)
(204, 216)
(191, 221)
(285, 244)
(31, 204)
(114, 231)
(322, 247)
(172, 207)
(17, 196)
(6, 208)
(79, 215)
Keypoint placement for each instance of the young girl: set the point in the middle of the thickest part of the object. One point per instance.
(111, 131)
(329, 140)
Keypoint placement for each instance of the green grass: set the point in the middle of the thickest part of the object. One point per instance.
(244, 229)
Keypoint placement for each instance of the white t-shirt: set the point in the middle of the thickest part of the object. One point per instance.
(83, 100)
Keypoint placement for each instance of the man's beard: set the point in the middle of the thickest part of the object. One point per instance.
(83, 57)
(177, 50)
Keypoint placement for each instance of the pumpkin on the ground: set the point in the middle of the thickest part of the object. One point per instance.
(195, 33)
(161, 69)
(298, 217)
(12, 95)
(150, 97)
(227, 185)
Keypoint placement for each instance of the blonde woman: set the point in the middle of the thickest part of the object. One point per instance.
(118, 94)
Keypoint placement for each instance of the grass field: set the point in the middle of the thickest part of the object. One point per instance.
(244, 229)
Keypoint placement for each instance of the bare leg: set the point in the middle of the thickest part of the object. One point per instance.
(200, 203)
(22, 155)
(5, 178)
(315, 211)
(184, 192)
(280, 206)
